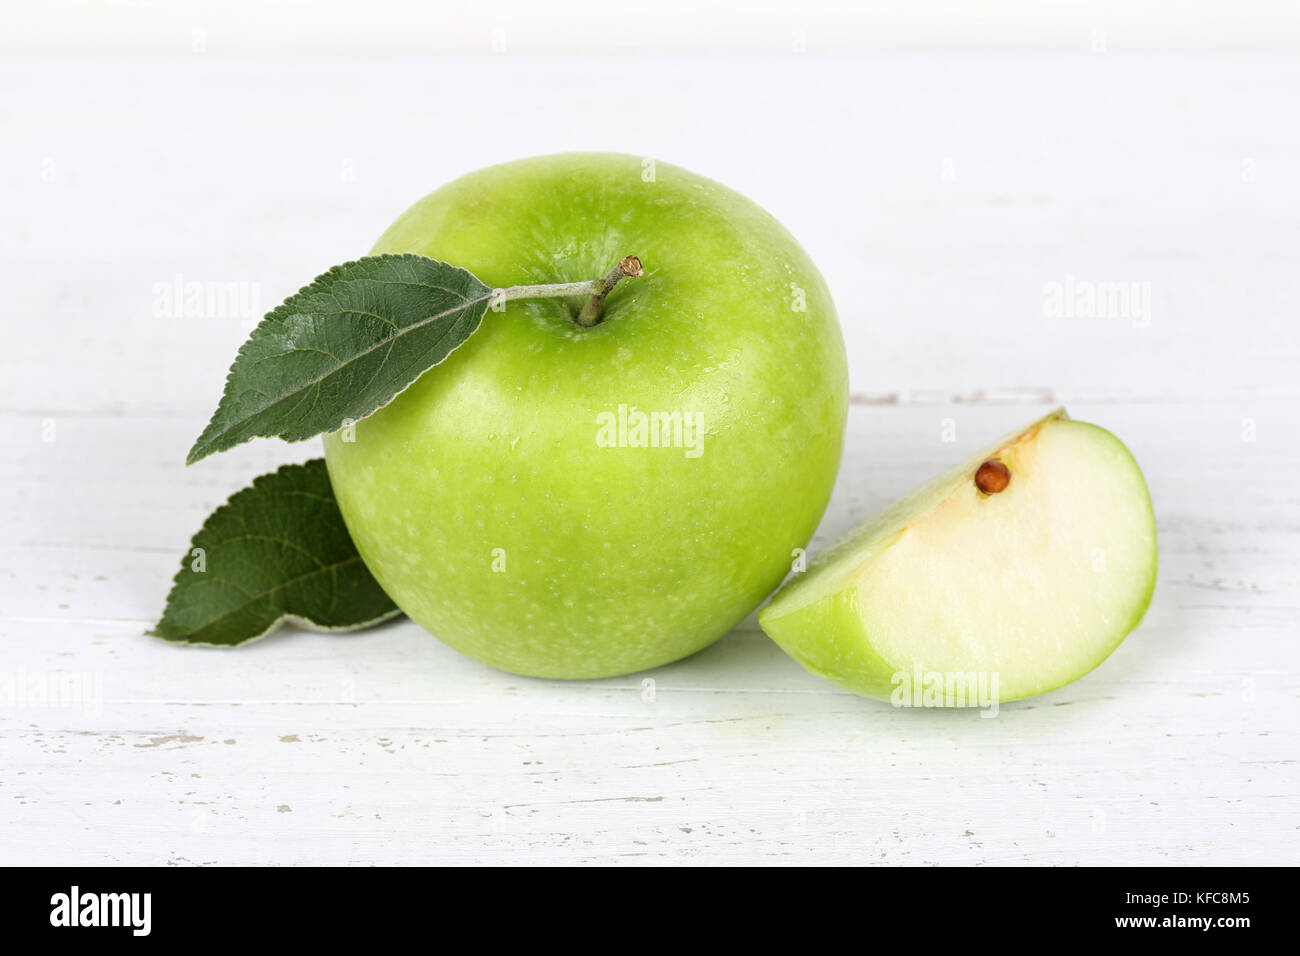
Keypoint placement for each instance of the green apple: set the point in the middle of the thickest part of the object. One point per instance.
(570, 502)
(1016, 572)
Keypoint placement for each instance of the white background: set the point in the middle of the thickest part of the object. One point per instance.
(943, 163)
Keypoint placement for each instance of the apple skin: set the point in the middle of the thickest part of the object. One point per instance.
(480, 497)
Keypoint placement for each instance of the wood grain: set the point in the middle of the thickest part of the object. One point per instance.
(941, 196)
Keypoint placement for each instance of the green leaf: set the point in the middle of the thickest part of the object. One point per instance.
(276, 551)
(342, 347)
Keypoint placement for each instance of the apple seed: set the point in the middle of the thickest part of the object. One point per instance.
(992, 477)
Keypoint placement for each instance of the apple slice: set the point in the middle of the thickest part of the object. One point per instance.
(1021, 570)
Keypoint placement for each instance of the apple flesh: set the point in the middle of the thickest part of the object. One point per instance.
(511, 500)
(1024, 566)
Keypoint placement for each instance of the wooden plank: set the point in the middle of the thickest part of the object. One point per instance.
(942, 198)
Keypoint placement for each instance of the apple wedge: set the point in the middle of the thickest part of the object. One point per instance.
(1019, 570)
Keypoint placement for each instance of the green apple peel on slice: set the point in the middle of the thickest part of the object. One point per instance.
(1025, 588)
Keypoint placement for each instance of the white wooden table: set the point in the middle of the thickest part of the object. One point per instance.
(942, 197)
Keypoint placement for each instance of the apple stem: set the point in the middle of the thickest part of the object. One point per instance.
(628, 267)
